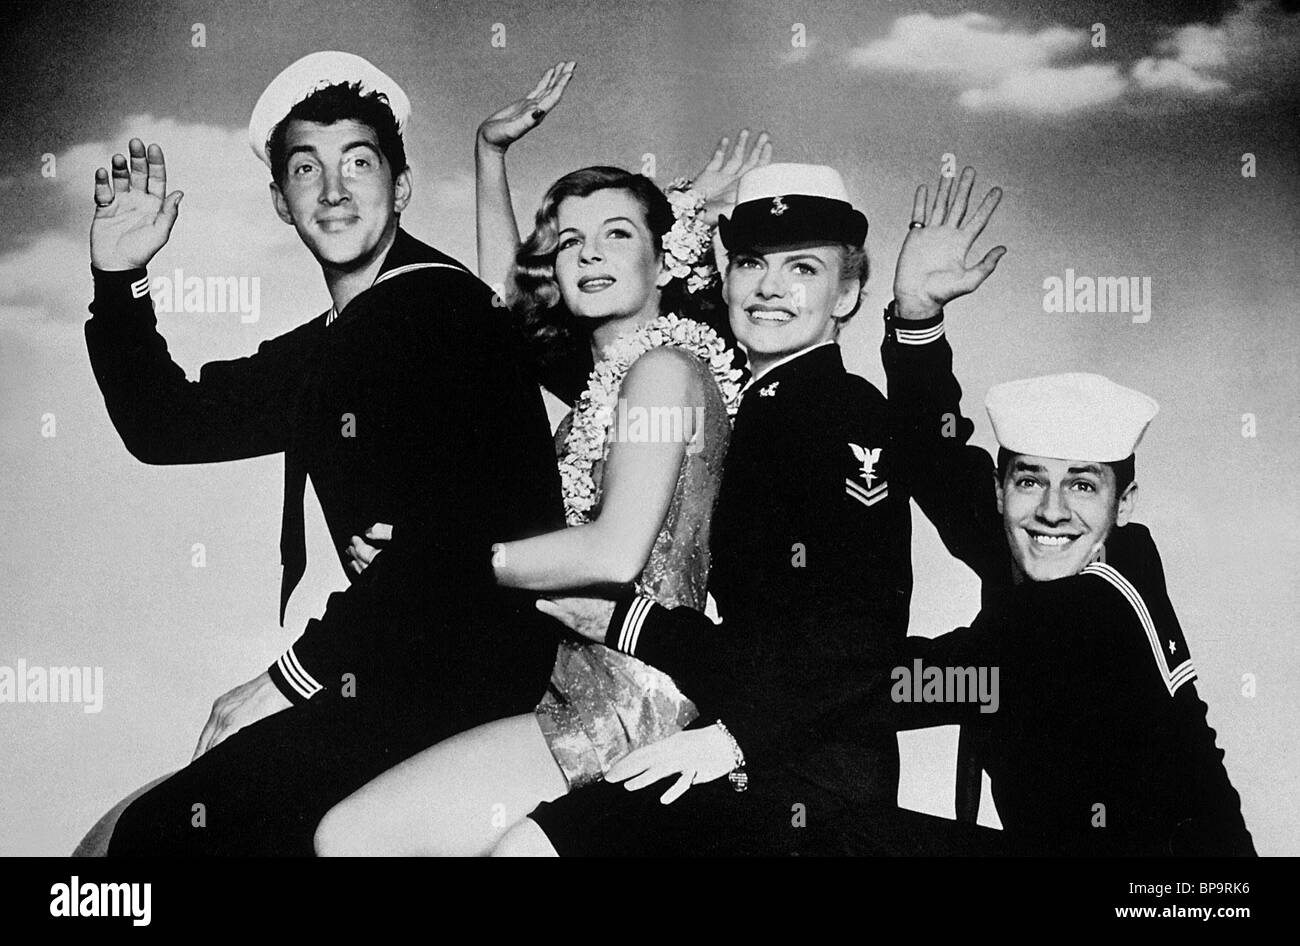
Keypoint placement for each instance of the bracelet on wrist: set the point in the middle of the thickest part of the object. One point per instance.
(738, 777)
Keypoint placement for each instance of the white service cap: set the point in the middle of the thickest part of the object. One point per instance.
(312, 72)
(1072, 416)
(784, 180)
(788, 204)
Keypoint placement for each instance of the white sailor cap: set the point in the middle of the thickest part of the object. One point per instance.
(312, 72)
(783, 204)
(1073, 416)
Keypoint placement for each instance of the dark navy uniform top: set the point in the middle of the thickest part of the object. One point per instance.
(1099, 744)
(416, 407)
(812, 572)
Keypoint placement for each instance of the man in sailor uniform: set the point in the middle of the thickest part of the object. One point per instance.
(1098, 743)
(409, 402)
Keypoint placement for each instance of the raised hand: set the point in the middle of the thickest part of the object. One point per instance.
(717, 182)
(932, 268)
(506, 126)
(134, 213)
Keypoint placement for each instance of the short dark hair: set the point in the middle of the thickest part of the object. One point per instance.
(1125, 470)
(335, 103)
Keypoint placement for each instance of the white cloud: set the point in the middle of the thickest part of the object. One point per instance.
(994, 65)
(1171, 74)
(970, 48)
(1200, 46)
(1253, 45)
(1049, 91)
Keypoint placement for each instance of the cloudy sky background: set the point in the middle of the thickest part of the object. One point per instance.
(1116, 161)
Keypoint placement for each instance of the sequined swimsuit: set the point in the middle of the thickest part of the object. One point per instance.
(601, 704)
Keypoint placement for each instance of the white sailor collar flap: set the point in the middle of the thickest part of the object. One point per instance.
(865, 481)
(1168, 648)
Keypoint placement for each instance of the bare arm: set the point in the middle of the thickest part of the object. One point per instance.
(638, 487)
(498, 233)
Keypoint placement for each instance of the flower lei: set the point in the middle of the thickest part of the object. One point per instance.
(587, 440)
(688, 246)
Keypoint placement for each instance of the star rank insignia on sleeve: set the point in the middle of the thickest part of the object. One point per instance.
(778, 206)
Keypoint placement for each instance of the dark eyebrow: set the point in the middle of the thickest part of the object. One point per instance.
(803, 256)
(1022, 465)
(363, 144)
(1092, 468)
(607, 221)
(351, 145)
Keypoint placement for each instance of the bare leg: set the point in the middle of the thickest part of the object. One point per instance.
(525, 839)
(453, 799)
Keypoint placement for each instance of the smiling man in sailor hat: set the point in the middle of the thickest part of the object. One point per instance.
(386, 401)
(1096, 742)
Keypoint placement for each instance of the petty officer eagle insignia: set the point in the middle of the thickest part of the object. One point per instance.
(874, 492)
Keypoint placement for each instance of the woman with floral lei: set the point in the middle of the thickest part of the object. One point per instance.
(610, 264)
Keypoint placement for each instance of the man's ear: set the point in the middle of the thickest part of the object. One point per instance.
(402, 191)
(997, 490)
(1127, 503)
(281, 205)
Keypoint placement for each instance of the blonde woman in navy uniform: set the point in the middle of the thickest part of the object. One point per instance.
(811, 546)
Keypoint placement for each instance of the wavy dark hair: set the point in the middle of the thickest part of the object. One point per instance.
(558, 341)
(336, 103)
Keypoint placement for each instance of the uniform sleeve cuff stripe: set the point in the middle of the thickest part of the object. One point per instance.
(306, 677)
(640, 625)
(922, 336)
(631, 630)
(298, 678)
(140, 288)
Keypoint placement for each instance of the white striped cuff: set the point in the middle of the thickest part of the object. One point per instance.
(140, 288)
(302, 681)
(630, 633)
(918, 336)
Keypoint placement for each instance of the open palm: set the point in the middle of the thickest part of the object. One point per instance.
(504, 127)
(932, 268)
(134, 213)
(721, 176)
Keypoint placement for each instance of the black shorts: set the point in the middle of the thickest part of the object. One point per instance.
(713, 820)
(710, 820)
